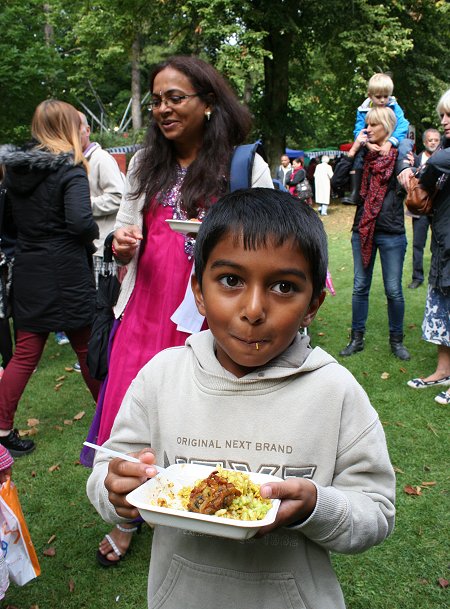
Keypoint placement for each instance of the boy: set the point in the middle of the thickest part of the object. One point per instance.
(251, 394)
(379, 94)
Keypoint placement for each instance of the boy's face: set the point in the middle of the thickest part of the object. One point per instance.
(255, 301)
(379, 100)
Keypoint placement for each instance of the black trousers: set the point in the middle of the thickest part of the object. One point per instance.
(420, 232)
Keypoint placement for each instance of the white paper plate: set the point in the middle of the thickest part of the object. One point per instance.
(184, 226)
(186, 475)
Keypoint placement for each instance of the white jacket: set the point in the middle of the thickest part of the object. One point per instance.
(106, 184)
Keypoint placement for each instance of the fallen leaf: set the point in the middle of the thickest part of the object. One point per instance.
(385, 375)
(432, 483)
(321, 334)
(397, 470)
(77, 462)
(52, 538)
(60, 378)
(412, 490)
(58, 427)
(68, 422)
(54, 468)
(28, 432)
(34, 607)
(33, 474)
(403, 370)
(68, 368)
(423, 581)
(49, 551)
(412, 326)
(400, 424)
(79, 416)
(71, 585)
(443, 582)
(58, 386)
(33, 422)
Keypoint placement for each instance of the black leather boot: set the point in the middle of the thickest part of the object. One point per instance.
(356, 344)
(355, 185)
(397, 347)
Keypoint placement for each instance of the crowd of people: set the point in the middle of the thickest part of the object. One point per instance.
(208, 319)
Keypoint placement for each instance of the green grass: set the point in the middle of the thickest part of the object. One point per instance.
(401, 573)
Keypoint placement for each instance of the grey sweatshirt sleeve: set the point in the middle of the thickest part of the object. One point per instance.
(130, 435)
(357, 511)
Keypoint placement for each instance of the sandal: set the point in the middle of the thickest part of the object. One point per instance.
(106, 562)
(421, 384)
(443, 398)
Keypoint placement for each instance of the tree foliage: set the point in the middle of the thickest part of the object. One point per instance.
(301, 65)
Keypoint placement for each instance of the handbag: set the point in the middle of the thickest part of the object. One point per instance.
(17, 547)
(303, 190)
(418, 200)
(107, 295)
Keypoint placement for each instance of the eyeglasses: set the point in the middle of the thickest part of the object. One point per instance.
(170, 100)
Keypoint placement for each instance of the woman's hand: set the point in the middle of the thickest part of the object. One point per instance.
(124, 476)
(360, 141)
(298, 500)
(126, 241)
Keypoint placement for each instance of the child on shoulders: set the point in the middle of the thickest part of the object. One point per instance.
(379, 95)
(251, 394)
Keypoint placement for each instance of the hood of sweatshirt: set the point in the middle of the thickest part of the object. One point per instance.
(28, 166)
(298, 358)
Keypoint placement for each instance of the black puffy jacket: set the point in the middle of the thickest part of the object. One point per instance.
(53, 286)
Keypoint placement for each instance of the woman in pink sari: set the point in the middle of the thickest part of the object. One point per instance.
(182, 169)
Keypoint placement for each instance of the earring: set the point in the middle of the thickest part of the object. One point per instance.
(208, 115)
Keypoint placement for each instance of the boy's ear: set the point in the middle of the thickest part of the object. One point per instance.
(198, 295)
(313, 308)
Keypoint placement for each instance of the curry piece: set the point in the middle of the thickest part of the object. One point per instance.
(212, 494)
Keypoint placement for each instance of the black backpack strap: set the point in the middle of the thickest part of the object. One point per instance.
(242, 165)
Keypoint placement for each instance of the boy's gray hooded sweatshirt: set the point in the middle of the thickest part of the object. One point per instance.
(301, 415)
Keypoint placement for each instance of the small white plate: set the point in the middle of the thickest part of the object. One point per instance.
(184, 226)
(186, 475)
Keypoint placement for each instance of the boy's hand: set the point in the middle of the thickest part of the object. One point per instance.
(373, 147)
(124, 476)
(298, 500)
(385, 148)
(5, 475)
(126, 241)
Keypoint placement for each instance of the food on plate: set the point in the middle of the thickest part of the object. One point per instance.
(211, 495)
(223, 493)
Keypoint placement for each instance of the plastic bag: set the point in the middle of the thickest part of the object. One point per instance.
(17, 547)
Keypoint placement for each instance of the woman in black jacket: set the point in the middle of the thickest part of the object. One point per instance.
(52, 284)
(436, 322)
(378, 226)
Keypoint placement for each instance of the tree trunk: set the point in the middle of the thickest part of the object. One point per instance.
(136, 114)
(48, 28)
(276, 93)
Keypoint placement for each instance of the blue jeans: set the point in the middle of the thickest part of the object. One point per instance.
(392, 250)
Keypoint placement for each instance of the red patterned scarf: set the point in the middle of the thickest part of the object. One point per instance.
(375, 180)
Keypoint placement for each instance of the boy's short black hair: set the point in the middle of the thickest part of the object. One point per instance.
(258, 215)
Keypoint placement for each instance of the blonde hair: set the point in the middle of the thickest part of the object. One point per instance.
(444, 104)
(380, 84)
(56, 126)
(382, 116)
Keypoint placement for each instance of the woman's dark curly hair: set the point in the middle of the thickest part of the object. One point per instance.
(207, 176)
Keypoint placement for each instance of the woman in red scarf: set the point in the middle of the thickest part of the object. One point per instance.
(378, 226)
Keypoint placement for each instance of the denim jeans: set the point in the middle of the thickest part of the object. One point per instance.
(392, 250)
